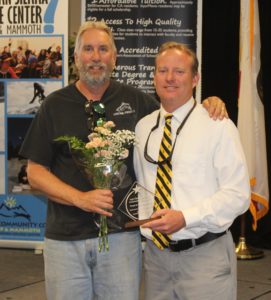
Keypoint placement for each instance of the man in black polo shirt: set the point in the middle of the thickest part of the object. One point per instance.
(74, 269)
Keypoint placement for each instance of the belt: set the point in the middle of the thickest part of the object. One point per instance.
(177, 246)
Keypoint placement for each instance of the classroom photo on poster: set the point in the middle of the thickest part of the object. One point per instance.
(31, 57)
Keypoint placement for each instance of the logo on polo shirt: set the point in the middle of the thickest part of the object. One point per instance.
(124, 109)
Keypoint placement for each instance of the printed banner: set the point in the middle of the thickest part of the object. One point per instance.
(22, 217)
(33, 63)
(140, 27)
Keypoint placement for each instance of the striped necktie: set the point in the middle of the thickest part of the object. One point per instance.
(162, 197)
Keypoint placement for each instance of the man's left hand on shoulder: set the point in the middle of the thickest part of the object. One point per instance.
(215, 107)
(170, 221)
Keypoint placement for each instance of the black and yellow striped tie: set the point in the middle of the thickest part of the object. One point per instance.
(162, 197)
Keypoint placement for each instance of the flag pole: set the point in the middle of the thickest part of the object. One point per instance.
(242, 250)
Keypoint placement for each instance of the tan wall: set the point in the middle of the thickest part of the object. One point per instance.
(74, 15)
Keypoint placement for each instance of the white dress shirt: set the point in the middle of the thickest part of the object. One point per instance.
(210, 182)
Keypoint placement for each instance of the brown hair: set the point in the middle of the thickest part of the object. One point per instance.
(183, 48)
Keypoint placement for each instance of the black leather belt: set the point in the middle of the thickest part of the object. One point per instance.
(177, 246)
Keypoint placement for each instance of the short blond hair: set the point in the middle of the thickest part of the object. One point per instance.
(183, 48)
(94, 25)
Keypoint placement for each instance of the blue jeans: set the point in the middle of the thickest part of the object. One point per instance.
(77, 270)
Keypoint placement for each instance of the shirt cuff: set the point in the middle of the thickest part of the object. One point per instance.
(192, 217)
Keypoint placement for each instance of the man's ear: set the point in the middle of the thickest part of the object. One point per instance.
(196, 80)
(154, 81)
(115, 59)
(75, 55)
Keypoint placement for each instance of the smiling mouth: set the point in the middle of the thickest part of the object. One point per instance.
(96, 68)
(170, 87)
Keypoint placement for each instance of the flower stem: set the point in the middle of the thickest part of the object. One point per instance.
(103, 234)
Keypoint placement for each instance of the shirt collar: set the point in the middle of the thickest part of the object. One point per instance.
(180, 113)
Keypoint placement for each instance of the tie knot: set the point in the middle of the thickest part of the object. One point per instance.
(168, 118)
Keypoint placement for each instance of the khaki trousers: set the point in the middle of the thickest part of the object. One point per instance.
(206, 272)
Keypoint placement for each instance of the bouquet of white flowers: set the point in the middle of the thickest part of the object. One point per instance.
(102, 159)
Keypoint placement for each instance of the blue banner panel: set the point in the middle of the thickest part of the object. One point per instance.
(22, 217)
(33, 64)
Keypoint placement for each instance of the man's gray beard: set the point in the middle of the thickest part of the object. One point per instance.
(94, 81)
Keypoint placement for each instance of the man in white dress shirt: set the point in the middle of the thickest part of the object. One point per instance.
(208, 187)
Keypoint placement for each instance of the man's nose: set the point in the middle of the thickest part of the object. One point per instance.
(96, 55)
(170, 76)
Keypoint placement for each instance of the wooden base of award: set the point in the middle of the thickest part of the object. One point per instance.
(139, 222)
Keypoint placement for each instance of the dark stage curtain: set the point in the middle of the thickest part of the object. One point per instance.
(220, 73)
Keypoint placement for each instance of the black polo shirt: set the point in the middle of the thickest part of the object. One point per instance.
(63, 113)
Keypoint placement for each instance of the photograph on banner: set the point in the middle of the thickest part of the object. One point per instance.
(2, 117)
(2, 92)
(31, 57)
(2, 174)
(17, 176)
(25, 97)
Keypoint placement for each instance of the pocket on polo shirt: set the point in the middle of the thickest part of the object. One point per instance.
(190, 169)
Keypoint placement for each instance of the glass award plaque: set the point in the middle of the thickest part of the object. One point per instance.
(138, 206)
